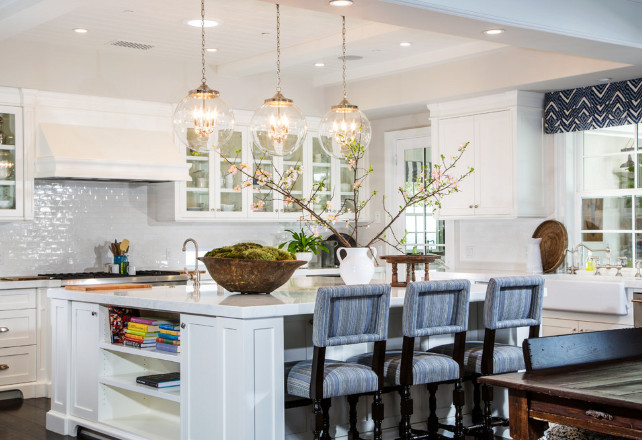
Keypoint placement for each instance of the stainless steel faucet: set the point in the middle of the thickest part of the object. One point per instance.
(572, 269)
(607, 253)
(194, 275)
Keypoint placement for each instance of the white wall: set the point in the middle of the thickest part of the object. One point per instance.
(74, 222)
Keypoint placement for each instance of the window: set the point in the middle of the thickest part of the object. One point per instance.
(424, 234)
(610, 196)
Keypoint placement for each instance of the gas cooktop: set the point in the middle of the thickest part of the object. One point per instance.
(142, 276)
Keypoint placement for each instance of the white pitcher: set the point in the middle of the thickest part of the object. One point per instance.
(357, 267)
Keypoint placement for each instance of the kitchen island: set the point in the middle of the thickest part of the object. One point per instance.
(231, 363)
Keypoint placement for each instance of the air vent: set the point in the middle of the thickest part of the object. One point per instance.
(131, 45)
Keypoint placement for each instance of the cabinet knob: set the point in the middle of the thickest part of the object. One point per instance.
(476, 206)
(470, 206)
(4, 367)
(94, 313)
(182, 325)
(4, 329)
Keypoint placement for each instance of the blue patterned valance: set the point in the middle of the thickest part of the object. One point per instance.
(604, 105)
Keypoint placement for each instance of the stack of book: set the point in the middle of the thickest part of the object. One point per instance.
(160, 380)
(169, 338)
(142, 332)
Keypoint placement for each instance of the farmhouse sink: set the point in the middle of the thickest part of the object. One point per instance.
(586, 296)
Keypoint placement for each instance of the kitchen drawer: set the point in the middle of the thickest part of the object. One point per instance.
(17, 365)
(17, 299)
(17, 327)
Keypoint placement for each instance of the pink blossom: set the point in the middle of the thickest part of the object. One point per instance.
(237, 188)
(233, 170)
(247, 183)
(244, 165)
(328, 205)
(289, 201)
(356, 185)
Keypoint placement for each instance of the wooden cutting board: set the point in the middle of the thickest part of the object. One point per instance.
(104, 287)
(24, 278)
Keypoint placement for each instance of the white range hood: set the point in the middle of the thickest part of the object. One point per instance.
(104, 153)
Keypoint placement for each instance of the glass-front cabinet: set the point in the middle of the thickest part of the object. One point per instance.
(11, 162)
(216, 187)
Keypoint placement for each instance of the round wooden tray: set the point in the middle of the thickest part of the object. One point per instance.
(553, 245)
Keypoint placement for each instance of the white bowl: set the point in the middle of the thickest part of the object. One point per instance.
(226, 207)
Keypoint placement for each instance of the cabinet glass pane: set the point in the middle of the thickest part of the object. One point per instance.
(264, 197)
(607, 213)
(293, 160)
(7, 161)
(609, 140)
(198, 190)
(231, 199)
(321, 172)
(347, 183)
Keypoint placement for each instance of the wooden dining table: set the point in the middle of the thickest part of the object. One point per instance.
(602, 397)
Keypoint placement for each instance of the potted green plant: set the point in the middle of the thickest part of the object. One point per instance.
(303, 245)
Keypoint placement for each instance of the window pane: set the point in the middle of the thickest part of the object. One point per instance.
(609, 172)
(609, 140)
(620, 244)
(607, 213)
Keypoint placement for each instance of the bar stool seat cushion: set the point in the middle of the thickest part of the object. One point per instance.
(506, 358)
(561, 432)
(426, 367)
(339, 379)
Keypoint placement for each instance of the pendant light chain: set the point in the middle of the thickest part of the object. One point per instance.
(203, 41)
(343, 34)
(278, 48)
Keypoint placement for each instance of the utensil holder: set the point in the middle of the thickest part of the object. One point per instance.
(122, 262)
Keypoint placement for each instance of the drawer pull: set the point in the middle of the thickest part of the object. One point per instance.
(4, 329)
(598, 414)
(4, 367)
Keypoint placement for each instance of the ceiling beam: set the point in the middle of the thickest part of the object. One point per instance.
(18, 16)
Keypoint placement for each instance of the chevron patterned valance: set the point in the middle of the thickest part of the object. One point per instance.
(604, 105)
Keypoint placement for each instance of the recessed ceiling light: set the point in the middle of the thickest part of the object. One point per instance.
(80, 30)
(604, 79)
(212, 49)
(405, 44)
(493, 31)
(341, 2)
(197, 23)
(319, 64)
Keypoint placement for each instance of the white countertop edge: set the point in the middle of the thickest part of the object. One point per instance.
(34, 284)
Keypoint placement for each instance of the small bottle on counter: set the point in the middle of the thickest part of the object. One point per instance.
(590, 264)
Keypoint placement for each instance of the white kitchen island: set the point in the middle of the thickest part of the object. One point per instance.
(231, 364)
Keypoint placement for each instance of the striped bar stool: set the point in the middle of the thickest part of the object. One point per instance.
(511, 302)
(344, 315)
(430, 308)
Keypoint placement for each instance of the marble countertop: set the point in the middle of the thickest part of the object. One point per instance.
(34, 284)
(295, 298)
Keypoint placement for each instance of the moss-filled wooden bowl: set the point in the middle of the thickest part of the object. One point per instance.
(250, 276)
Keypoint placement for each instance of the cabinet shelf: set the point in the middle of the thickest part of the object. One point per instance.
(149, 425)
(7, 147)
(197, 190)
(7, 182)
(128, 382)
(198, 158)
(321, 164)
(154, 354)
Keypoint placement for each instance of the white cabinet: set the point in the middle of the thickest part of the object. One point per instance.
(561, 326)
(505, 134)
(84, 360)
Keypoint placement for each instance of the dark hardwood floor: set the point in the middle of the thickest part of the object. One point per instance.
(27, 422)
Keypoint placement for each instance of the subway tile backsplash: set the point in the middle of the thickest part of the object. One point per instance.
(75, 220)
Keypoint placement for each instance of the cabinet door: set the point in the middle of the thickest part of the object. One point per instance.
(200, 391)
(85, 334)
(451, 134)
(585, 326)
(555, 326)
(231, 198)
(494, 165)
(299, 157)
(321, 173)
(11, 163)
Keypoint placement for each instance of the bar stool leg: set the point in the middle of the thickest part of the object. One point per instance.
(459, 401)
(487, 397)
(318, 419)
(353, 433)
(477, 415)
(325, 406)
(377, 415)
(405, 431)
(433, 421)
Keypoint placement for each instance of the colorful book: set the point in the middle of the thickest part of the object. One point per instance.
(171, 326)
(139, 333)
(167, 336)
(149, 320)
(147, 328)
(160, 380)
(167, 347)
(169, 332)
(168, 341)
(141, 341)
(138, 345)
(151, 337)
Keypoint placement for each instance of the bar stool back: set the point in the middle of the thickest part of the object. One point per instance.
(344, 315)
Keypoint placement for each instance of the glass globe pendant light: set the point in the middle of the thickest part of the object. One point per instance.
(202, 120)
(278, 126)
(344, 124)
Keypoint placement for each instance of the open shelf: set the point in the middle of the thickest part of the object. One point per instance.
(154, 354)
(149, 425)
(128, 382)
